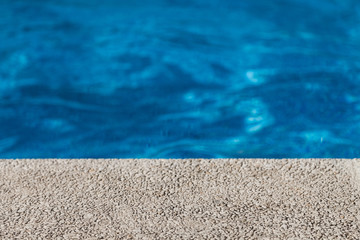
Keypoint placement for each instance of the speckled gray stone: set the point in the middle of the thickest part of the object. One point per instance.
(180, 199)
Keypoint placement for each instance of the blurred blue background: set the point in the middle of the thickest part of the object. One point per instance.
(179, 78)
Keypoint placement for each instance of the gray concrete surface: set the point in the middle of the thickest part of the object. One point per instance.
(180, 199)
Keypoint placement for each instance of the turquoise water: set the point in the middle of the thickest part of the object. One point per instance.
(179, 78)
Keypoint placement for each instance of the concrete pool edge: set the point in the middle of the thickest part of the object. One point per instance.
(354, 169)
(168, 198)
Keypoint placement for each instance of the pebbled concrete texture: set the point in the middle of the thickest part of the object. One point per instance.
(180, 199)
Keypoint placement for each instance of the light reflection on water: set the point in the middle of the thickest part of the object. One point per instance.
(167, 78)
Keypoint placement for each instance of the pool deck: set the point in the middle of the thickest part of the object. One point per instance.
(188, 198)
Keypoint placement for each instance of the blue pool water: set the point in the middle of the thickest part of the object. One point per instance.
(179, 78)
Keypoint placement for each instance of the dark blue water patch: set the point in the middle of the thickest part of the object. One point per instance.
(167, 78)
(221, 71)
(133, 63)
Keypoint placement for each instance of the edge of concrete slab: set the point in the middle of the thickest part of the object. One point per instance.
(173, 198)
(354, 169)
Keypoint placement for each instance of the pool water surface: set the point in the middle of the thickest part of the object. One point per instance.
(179, 78)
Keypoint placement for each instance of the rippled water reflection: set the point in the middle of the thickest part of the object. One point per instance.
(171, 78)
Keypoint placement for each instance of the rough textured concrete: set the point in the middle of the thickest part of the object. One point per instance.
(179, 199)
